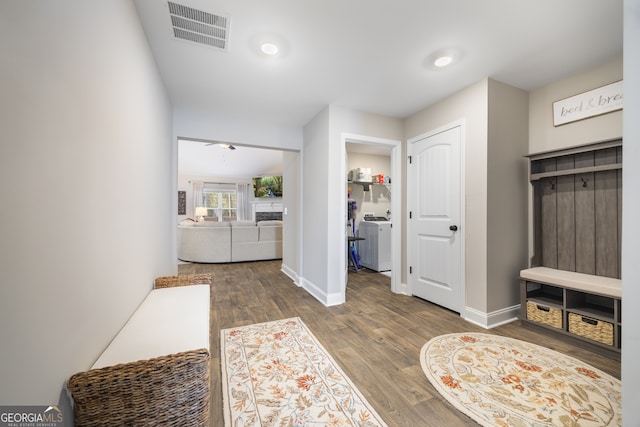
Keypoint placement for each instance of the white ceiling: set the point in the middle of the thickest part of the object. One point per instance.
(371, 55)
(199, 159)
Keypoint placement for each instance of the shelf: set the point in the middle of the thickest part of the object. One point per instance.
(545, 294)
(546, 301)
(575, 171)
(593, 311)
(570, 301)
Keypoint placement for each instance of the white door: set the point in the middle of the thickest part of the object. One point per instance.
(435, 257)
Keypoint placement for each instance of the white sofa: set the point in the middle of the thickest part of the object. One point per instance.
(218, 242)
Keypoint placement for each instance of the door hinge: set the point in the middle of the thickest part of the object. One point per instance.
(410, 270)
(410, 159)
(410, 214)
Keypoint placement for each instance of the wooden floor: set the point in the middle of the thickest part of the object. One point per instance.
(376, 336)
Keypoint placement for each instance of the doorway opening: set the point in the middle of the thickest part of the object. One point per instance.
(380, 201)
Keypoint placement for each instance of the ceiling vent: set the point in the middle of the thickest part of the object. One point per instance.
(199, 27)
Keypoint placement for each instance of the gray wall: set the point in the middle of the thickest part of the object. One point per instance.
(543, 136)
(506, 194)
(495, 116)
(85, 164)
(470, 104)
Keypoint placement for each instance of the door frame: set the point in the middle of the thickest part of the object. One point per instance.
(463, 232)
(396, 206)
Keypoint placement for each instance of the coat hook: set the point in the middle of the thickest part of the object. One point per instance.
(584, 182)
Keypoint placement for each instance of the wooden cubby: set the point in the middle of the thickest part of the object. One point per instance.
(577, 227)
(577, 209)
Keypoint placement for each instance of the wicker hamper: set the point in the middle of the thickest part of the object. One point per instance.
(593, 329)
(543, 314)
(186, 280)
(172, 390)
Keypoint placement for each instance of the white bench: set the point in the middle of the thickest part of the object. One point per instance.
(579, 281)
(156, 370)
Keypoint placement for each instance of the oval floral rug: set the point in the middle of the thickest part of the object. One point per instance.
(499, 381)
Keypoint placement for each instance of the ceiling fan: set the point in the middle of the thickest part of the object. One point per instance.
(224, 145)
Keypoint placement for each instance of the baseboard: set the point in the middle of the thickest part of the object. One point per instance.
(493, 319)
(402, 289)
(326, 299)
(291, 274)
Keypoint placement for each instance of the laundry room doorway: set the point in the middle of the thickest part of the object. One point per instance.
(374, 204)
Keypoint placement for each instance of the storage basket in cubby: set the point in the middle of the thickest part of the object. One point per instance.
(544, 314)
(588, 327)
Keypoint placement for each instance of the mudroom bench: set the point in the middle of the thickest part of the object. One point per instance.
(156, 370)
(581, 305)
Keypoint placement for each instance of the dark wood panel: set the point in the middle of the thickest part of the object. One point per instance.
(565, 219)
(566, 222)
(542, 166)
(606, 223)
(537, 223)
(376, 336)
(584, 160)
(606, 157)
(565, 162)
(549, 225)
(619, 173)
(578, 211)
(585, 224)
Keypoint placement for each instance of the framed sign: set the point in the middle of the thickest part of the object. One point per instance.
(595, 102)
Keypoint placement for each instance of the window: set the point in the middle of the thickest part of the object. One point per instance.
(221, 201)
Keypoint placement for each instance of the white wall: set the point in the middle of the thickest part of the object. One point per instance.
(324, 195)
(292, 215)
(315, 192)
(203, 125)
(85, 164)
(630, 215)
(184, 184)
(378, 199)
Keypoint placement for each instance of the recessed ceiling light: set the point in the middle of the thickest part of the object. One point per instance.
(443, 58)
(269, 45)
(269, 49)
(442, 61)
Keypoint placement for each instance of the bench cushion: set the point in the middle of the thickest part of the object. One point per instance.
(169, 321)
(579, 281)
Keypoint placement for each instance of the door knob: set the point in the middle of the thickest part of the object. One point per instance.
(453, 228)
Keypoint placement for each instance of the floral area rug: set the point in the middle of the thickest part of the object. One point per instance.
(499, 381)
(278, 374)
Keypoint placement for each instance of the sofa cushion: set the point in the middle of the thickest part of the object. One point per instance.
(204, 243)
(270, 233)
(241, 234)
(212, 224)
(270, 223)
(243, 224)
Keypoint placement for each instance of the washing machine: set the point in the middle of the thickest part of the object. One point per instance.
(375, 250)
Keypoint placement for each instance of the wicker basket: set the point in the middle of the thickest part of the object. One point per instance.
(543, 314)
(170, 390)
(594, 329)
(186, 280)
